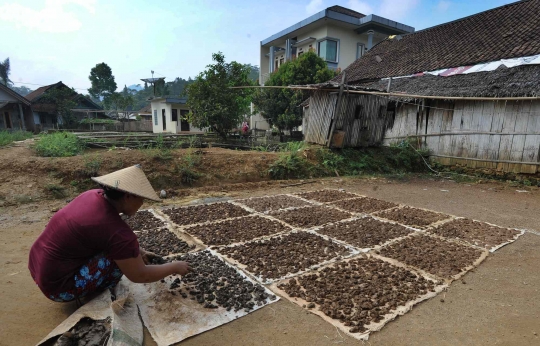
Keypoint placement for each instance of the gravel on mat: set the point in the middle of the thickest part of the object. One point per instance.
(359, 291)
(144, 220)
(163, 242)
(265, 204)
(433, 255)
(237, 230)
(476, 233)
(310, 216)
(413, 217)
(364, 205)
(204, 212)
(213, 284)
(283, 255)
(365, 232)
(325, 196)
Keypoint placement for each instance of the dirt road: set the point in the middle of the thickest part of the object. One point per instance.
(497, 305)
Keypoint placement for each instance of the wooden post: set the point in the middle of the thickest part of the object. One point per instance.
(339, 106)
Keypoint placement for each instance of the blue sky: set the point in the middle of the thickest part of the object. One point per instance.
(52, 40)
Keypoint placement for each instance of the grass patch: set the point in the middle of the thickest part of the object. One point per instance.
(59, 144)
(57, 191)
(92, 164)
(8, 137)
(186, 167)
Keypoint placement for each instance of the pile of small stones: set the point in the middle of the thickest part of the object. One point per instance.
(286, 254)
(163, 242)
(477, 233)
(213, 284)
(364, 233)
(364, 205)
(144, 220)
(237, 230)
(265, 204)
(202, 213)
(359, 291)
(436, 256)
(310, 216)
(414, 217)
(325, 196)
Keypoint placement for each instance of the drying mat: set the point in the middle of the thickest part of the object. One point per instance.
(247, 203)
(318, 229)
(126, 326)
(417, 227)
(171, 318)
(464, 270)
(372, 327)
(336, 192)
(519, 233)
(243, 267)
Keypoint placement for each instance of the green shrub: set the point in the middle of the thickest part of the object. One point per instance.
(8, 137)
(59, 144)
(289, 166)
(92, 164)
(186, 168)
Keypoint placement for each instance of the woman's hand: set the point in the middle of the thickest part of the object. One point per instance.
(148, 257)
(182, 268)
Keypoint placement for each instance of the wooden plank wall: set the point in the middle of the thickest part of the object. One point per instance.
(321, 109)
(509, 130)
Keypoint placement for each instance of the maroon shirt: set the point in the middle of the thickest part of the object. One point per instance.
(84, 228)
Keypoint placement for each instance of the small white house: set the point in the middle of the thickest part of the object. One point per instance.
(168, 114)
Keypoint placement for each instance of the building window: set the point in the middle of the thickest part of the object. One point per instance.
(300, 51)
(155, 117)
(174, 116)
(276, 65)
(281, 61)
(328, 50)
(359, 50)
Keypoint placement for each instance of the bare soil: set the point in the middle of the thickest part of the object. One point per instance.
(265, 204)
(283, 255)
(495, 306)
(474, 232)
(237, 230)
(413, 217)
(203, 213)
(436, 256)
(326, 195)
(365, 232)
(310, 216)
(364, 205)
(359, 291)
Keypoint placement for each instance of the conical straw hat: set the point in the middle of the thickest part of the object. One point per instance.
(131, 180)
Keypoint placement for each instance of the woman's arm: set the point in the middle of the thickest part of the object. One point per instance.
(136, 271)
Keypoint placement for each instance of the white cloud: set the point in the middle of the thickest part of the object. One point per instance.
(314, 6)
(396, 10)
(443, 5)
(360, 6)
(52, 18)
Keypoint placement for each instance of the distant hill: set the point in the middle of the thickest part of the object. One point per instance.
(136, 87)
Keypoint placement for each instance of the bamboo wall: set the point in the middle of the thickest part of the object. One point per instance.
(502, 135)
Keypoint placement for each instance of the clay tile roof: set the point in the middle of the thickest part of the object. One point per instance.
(146, 109)
(346, 11)
(508, 31)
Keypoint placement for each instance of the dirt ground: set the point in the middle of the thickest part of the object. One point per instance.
(497, 305)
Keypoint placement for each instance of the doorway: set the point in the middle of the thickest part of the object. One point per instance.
(164, 120)
(7, 120)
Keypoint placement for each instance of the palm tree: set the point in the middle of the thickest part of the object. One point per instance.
(4, 72)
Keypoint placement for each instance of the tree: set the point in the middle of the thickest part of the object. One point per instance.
(102, 80)
(5, 70)
(62, 100)
(22, 90)
(211, 101)
(120, 105)
(281, 107)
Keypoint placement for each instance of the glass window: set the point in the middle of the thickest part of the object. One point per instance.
(328, 50)
(155, 117)
(359, 50)
(174, 116)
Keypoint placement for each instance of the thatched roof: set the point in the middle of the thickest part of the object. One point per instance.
(503, 82)
(505, 32)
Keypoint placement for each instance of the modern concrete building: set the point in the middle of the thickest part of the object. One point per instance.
(337, 34)
(168, 116)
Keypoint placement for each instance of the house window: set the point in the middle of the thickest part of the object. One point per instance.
(155, 117)
(42, 118)
(276, 65)
(174, 116)
(359, 50)
(358, 111)
(328, 50)
(300, 51)
(281, 60)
